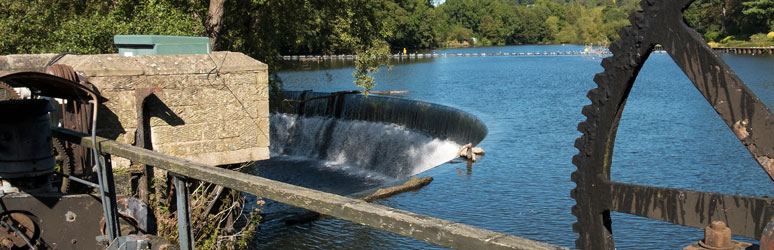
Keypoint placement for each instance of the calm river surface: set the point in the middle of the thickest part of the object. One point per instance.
(669, 136)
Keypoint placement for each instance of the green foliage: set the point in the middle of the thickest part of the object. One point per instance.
(759, 38)
(368, 62)
(717, 19)
(501, 22)
(762, 10)
(711, 36)
(88, 26)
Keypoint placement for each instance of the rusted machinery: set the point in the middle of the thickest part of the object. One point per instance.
(36, 215)
(661, 22)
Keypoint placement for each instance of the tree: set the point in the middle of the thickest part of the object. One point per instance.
(215, 20)
(763, 10)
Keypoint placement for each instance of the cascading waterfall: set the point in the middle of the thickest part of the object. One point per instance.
(388, 149)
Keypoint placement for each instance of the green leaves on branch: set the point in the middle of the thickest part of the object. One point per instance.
(368, 62)
(88, 26)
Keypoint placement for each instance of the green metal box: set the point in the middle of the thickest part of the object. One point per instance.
(133, 45)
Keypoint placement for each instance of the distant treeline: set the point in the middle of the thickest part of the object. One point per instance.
(417, 24)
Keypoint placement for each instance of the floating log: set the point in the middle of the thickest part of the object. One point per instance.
(412, 184)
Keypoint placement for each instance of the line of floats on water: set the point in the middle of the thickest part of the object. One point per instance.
(436, 55)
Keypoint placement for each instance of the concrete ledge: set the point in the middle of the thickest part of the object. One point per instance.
(115, 65)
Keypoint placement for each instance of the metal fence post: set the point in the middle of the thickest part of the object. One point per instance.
(183, 213)
(108, 196)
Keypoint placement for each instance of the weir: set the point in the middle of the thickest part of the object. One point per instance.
(383, 148)
(432, 119)
(393, 137)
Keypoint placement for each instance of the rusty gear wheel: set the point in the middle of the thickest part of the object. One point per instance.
(64, 164)
(599, 131)
(596, 196)
(8, 93)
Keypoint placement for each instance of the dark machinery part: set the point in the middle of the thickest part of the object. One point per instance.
(25, 137)
(57, 221)
(8, 93)
(18, 231)
(76, 116)
(77, 215)
(661, 22)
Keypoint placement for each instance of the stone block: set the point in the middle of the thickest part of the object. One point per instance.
(4, 66)
(175, 64)
(18, 63)
(175, 134)
(104, 65)
(181, 149)
(235, 62)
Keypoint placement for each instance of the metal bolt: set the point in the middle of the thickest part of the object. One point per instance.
(717, 236)
(70, 216)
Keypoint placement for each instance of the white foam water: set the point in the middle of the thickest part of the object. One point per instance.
(388, 149)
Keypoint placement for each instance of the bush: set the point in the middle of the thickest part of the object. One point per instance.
(727, 39)
(770, 36)
(759, 38)
(711, 36)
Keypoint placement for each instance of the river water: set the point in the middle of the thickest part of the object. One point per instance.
(669, 136)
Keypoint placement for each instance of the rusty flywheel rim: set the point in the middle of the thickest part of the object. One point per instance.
(661, 22)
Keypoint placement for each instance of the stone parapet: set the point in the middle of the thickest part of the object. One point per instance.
(212, 109)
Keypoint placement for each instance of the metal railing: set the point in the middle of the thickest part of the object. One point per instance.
(440, 232)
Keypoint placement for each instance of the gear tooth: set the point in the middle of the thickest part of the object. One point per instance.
(635, 18)
(589, 111)
(625, 33)
(596, 95)
(576, 160)
(8, 93)
(608, 62)
(587, 129)
(576, 228)
(575, 177)
(579, 142)
(615, 47)
(599, 78)
(574, 210)
(581, 128)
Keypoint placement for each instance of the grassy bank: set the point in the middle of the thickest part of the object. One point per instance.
(757, 40)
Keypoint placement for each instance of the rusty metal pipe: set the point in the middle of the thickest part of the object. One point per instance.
(79, 180)
(107, 202)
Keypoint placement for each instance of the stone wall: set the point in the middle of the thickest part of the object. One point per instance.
(211, 109)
